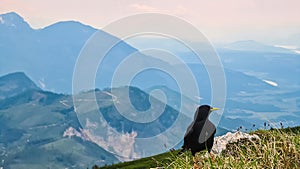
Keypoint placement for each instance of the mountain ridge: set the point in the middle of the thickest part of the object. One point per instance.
(15, 83)
(55, 66)
(251, 45)
(13, 17)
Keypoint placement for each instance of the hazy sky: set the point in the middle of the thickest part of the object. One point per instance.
(269, 21)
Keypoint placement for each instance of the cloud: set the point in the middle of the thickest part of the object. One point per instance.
(143, 8)
(271, 83)
(292, 47)
(175, 10)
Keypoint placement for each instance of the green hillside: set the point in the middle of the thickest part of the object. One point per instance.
(276, 149)
(143, 163)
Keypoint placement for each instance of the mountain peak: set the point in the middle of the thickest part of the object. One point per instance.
(15, 83)
(14, 75)
(13, 20)
(11, 14)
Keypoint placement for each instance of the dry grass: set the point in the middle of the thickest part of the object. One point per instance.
(275, 149)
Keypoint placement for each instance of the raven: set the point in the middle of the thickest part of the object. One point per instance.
(200, 134)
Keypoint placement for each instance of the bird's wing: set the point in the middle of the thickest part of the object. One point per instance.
(189, 130)
(208, 130)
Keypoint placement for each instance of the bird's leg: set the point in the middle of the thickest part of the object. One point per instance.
(211, 156)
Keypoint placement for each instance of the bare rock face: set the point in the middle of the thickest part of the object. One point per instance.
(221, 141)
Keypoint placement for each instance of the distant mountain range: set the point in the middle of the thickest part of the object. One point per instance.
(254, 46)
(252, 69)
(52, 50)
(48, 56)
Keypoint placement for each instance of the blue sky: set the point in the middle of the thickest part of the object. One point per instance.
(268, 21)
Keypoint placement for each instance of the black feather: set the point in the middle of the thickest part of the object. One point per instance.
(200, 134)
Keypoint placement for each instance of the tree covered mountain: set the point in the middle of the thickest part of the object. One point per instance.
(33, 123)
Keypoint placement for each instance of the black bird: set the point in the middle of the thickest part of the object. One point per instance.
(200, 134)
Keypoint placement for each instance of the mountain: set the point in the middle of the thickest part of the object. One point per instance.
(12, 22)
(282, 68)
(33, 123)
(52, 50)
(49, 55)
(14, 84)
(265, 62)
(250, 45)
(42, 129)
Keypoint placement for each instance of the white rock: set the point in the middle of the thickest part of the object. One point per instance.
(221, 141)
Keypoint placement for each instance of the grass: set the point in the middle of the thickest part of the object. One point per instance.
(277, 148)
(144, 163)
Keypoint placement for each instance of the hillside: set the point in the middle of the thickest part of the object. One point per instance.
(33, 123)
(276, 148)
(14, 84)
(42, 128)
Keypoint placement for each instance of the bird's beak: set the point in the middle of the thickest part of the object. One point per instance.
(214, 109)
